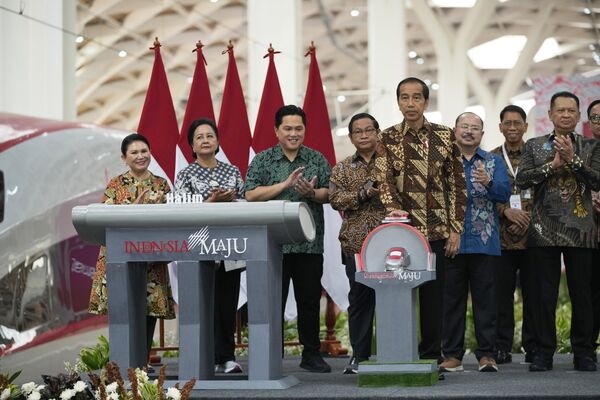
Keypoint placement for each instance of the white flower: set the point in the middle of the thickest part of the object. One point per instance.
(28, 387)
(79, 386)
(141, 376)
(40, 388)
(67, 394)
(173, 393)
(112, 388)
(5, 394)
(34, 396)
(113, 396)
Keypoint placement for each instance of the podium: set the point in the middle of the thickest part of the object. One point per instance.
(395, 259)
(195, 235)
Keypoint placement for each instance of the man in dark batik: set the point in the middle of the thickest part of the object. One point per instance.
(562, 168)
(353, 191)
(420, 172)
(593, 113)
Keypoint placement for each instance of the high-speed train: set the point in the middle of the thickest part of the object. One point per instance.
(46, 168)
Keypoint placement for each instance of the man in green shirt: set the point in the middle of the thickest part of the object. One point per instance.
(291, 171)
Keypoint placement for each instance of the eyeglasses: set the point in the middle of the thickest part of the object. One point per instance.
(516, 124)
(473, 128)
(369, 131)
(595, 119)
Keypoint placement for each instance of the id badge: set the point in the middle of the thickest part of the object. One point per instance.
(527, 194)
(515, 202)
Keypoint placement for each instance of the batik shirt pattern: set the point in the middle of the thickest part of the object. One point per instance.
(125, 189)
(481, 234)
(271, 166)
(509, 240)
(195, 179)
(562, 213)
(347, 193)
(422, 173)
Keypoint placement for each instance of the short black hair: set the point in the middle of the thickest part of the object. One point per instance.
(513, 108)
(286, 110)
(195, 124)
(362, 116)
(414, 80)
(592, 104)
(563, 94)
(134, 137)
(468, 112)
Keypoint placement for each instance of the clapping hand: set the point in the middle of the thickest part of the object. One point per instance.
(564, 147)
(306, 188)
(221, 195)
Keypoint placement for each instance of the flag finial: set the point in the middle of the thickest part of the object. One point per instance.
(156, 44)
(311, 48)
(229, 47)
(199, 46)
(270, 51)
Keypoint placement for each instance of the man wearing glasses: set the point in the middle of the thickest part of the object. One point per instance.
(562, 168)
(352, 190)
(593, 113)
(420, 172)
(515, 216)
(473, 267)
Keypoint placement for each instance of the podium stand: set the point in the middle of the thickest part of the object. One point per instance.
(396, 304)
(195, 235)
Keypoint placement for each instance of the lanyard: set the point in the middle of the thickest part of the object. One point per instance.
(508, 163)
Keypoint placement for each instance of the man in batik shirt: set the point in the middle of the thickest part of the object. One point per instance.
(593, 113)
(562, 168)
(419, 171)
(291, 171)
(514, 265)
(353, 191)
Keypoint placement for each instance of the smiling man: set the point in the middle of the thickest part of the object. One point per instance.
(291, 171)
(562, 168)
(353, 191)
(473, 267)
(419, 172)
(514, 265)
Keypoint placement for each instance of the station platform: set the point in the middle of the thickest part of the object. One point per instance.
(513, 381)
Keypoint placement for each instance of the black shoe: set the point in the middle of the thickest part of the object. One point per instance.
(585, 363)
(315, 363)
(503, 357)
(352, 367)
(540, 364)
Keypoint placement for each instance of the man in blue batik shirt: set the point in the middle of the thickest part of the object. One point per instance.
(473, 267)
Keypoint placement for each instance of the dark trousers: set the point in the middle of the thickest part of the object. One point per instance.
(150, 326)
(474, 272)
(430, 305)
(596, 296)
(227, 292)
(578, 262)
(305, 271)
(513, 265)
(360, 312)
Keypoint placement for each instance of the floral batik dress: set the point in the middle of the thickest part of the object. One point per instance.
(124, 189)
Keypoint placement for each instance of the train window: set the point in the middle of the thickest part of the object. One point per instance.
(35, 303)
(9, 295)
(2, 194)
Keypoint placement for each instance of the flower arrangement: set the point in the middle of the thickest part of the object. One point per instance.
(109, 385)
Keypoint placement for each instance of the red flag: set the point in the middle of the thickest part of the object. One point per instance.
(272, 99)
(199, 103)
(234, 128)
(318, 127)
(158, 122)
